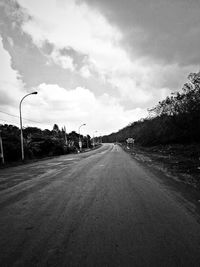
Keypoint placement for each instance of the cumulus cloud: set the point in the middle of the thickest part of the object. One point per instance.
(69, 25)
(107, 44)
(78, 27)
(65, 61)
(85, 72)
(11, 87)
(76, 106)
(113, 58)
(167, 31)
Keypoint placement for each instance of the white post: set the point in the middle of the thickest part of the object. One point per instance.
(79, 139)
(1, 146)
(65, 136)
(93, 141)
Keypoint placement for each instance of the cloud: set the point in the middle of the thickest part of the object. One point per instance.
(85, 31)
(11, 87)
(65, 61)
(45, 61)
(130, 29)
(98, 62)
(85, 72)
(167, 31)
(54, 104)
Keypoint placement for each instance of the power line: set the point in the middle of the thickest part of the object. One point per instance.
(9, 114)
(17, 116)
(11, 122)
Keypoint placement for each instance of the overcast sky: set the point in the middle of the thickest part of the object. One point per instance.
(99, 62)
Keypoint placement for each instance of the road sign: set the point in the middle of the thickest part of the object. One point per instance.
(130, 140)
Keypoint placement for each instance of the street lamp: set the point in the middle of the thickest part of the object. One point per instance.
(20, 112)
(79, 139)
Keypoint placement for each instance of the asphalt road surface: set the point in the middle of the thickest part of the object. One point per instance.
(99, 208)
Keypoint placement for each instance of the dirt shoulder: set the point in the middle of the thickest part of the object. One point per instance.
(180, 162)
(178, 166)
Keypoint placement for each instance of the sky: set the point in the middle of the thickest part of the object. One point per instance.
(98, 62)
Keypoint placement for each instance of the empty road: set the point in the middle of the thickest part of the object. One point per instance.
(99, 208)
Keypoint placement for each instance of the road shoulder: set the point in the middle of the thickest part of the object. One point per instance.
(185, 190)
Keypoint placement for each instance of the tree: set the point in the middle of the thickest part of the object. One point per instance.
(174, 119)
(56, 128)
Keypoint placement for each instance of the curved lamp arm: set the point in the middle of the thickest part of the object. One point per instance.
(20, 112)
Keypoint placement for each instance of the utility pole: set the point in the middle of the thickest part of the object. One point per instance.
(65, 136)
(1, 146)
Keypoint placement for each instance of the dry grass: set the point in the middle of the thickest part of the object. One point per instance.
(180, 161)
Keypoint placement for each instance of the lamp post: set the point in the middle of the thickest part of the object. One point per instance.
(79, 139)
(20, 112)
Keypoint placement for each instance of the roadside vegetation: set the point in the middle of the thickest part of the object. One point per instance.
(175, 120)
(177, 161)
(169, 139)
(39, 143)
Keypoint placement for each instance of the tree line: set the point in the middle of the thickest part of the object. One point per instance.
(39, 143)
(176, 119)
